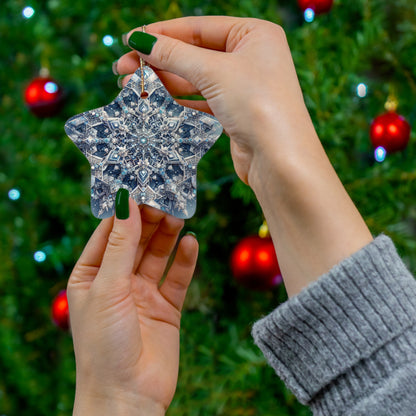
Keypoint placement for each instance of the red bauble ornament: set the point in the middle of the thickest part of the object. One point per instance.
(44, 97)
(254, 263)
(60, 311)
(390, 131)
(318, 6)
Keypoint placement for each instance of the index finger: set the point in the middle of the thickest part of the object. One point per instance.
(209, 32)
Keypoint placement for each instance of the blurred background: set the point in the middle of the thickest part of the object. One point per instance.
(352, 58)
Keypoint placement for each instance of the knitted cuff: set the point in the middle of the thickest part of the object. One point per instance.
(342, 319)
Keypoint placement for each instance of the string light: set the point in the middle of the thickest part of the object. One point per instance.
(309, 15)
(28, 12)
(14, 194)
(380, 154)
(362, 90)
(40, 256)
(51, 87)
(108, 40)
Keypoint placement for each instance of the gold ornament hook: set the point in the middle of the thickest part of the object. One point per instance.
(264, 230)
(391, 103)
(143, 93)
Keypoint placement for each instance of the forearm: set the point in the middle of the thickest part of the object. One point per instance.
(113, 405)
(312, 220)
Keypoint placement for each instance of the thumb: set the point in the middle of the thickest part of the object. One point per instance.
(190, 62)
(123, 240)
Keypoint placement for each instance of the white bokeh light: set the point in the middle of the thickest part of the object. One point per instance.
(51, 87)
(40, 256)
(362, 90)
(108, 40)
(309, 15)
(28, 12)
(14, 194)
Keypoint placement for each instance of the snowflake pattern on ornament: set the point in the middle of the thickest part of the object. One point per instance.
(150, 146)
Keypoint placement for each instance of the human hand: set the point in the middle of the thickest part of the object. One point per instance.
(244, 70)
(124, 321)
(252, 89)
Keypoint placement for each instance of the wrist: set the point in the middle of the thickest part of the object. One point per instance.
(114, 404)
(283, 151)
(311, 218)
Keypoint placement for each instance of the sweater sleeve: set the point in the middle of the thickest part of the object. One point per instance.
(346, 345)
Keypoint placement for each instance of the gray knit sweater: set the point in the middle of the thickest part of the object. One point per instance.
(346, 345)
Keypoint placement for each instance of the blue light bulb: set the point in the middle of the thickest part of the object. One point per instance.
(309, 15)
(39, 256)
(380, 154)
(14, 194)
(51, 87)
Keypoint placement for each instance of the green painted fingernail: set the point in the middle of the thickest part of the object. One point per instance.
(114, 67)
(120, 81)
(142, 42)
(122, 204)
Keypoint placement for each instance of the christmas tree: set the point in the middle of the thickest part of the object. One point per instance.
(350, 60)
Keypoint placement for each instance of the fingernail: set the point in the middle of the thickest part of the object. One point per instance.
(142, 42)
(122, 204)
(114, 67)
(191, 233)
(124, 39)
(120, 81)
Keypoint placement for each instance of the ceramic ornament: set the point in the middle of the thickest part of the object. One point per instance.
(151, 146)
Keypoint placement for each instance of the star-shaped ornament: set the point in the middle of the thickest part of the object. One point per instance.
(150, 146)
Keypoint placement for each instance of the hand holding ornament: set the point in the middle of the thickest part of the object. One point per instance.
(125, 323)
(244, 70)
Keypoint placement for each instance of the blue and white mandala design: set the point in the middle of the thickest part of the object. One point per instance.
(150, 146)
